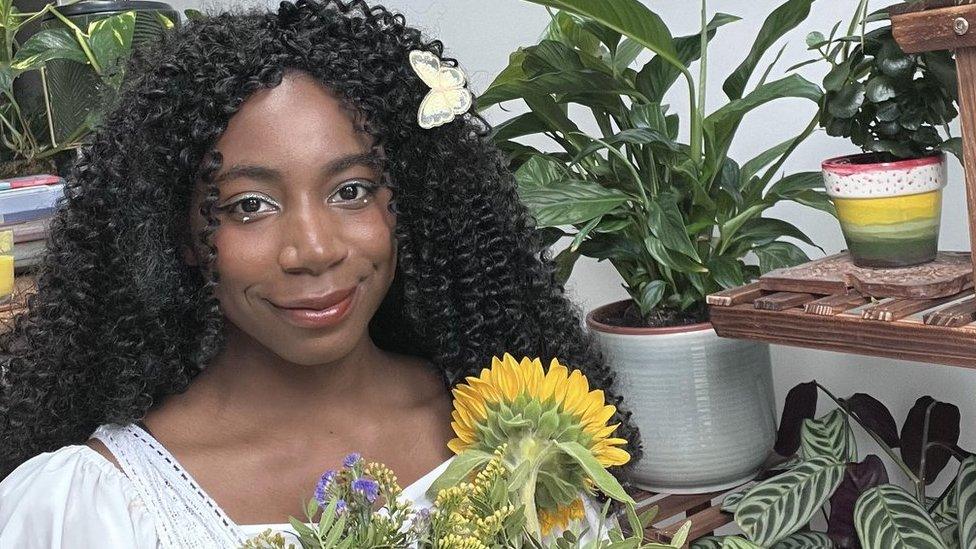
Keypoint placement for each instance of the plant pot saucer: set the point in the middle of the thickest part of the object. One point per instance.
(949, 274)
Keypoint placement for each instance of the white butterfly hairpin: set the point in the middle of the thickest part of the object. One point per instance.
(447, 97)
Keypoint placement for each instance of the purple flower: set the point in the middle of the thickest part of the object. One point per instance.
(340, 506)
(323, 486)
(367, 487)
(351, 460)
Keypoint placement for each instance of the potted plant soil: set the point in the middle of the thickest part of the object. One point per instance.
(675, 218)
(892, 105)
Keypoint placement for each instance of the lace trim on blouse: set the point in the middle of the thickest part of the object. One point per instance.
(186, 517)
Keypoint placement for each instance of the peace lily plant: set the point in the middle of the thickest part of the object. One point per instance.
(674, 217)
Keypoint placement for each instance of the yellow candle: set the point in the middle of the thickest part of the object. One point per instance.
(6, 275)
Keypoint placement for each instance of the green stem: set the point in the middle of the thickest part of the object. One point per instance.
(82, 39)
(47, 107)
(703, 62)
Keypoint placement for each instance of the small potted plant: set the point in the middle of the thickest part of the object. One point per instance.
(892, 105)
(675, 218)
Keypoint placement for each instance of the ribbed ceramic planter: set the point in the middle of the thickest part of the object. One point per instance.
(704, 404)
(889, 211)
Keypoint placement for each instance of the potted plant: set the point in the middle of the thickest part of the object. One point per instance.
(28, 130)
(674, 218)
(891, 105)
(866, 510)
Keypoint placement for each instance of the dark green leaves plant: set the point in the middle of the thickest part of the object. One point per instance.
(881, 98)
(675, 218)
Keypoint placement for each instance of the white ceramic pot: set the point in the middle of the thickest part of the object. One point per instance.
(704, 404)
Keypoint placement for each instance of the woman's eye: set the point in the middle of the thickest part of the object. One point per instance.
(249, 208)
(354, 192)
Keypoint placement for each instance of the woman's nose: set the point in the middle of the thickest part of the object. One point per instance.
(312, 242)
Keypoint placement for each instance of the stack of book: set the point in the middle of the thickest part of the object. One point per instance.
(27, 205)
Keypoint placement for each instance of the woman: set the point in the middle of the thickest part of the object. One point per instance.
(263, 264)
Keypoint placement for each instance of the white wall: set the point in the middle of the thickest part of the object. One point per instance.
(481, 34)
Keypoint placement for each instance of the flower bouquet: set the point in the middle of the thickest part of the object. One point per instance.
(532, 450)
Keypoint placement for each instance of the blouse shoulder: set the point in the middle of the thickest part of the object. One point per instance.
(72, 497)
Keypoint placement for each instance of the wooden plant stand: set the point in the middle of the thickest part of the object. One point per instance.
(704, 511)
(926, 313)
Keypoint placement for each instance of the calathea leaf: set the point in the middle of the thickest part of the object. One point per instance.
(875, 416)
(800, 404)
(966, 502)
(858, 478)
(929, 420)
(780, 506)
(830, 436)
(888, 517)
(806, 540)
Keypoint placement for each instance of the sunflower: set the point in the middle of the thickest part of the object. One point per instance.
(554, 429)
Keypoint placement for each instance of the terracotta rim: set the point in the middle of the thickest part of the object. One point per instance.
(845, 165)
(633, 330)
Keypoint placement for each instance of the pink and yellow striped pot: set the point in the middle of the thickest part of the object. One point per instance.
(890, 212)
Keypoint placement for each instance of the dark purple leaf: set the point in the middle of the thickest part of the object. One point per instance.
(801, 403)
(857, 479)
(875, 416)
(943, 426)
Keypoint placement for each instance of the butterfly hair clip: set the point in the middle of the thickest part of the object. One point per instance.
(447, 97)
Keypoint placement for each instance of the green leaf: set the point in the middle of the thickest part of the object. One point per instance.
(735, 542)
(521, 125)
(765, 230)
(580, 81)
(888, 517)
(778, 255)
(603, 480)
(966, 502)
(193, 14)
(539, 171)
(626, 53)
(678, 540)
(635, 136)
(570, 202)
(676, 261)
(555, 117)
(780, 21)
(707, 542)
(111, 38)
(658, 75)
(815, 39)
(458, 470)
(806, 540)
(726, 272)
(58, 43)
(880, 88)
(780, 506)
(846, 102)
(583, 232)
(565, 261)
(829, 436)
(628, 17)
(666, 223)
(794, 183)
(720, 126)
(651, 295)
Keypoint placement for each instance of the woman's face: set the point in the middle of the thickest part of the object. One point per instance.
(306, 246)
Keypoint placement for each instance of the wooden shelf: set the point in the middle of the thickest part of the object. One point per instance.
(925, 313)
(704, 511)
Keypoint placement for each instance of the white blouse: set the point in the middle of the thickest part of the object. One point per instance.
(75, 497)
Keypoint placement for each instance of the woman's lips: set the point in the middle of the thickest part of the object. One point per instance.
(318, 318)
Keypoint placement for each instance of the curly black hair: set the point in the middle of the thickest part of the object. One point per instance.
(120, 321)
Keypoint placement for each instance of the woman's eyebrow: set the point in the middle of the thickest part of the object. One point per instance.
(271, 175)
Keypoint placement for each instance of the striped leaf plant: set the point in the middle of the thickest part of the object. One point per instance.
(819, 464)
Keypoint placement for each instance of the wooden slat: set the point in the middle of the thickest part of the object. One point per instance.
(896, 309)
(959, 314)
(903, 339)
(735, 296)
(780, 301)
(703, 523)
(834, 304)
(932, 29)
(679, 504)
(966, 69)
